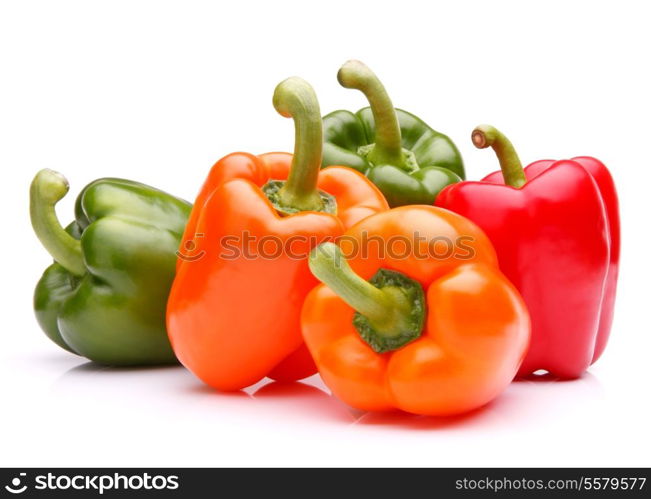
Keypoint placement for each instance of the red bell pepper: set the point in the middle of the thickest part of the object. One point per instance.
(555, 226)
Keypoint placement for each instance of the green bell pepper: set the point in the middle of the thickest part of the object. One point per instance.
(105, 296)
(408, 161)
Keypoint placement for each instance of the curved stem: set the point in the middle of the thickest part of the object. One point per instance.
(48, 187)
(485, 136)
(387, 309)
(388, 140)
(295, 98)
(329, 266)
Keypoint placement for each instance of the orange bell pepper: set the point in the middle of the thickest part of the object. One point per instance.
(437, 330)
(233, 314)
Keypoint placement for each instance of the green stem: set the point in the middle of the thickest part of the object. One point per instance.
(388, 140)
(389, 315)
(485, 136)
(295, 98)
(48, 187)
(329, 266)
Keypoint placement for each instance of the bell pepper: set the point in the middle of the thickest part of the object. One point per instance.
(401, 323)
(555, 227)
(234, 308)
(104, 297)
(396, 150)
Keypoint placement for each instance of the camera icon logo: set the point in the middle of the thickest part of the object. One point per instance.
(189, 253)
(15, 486)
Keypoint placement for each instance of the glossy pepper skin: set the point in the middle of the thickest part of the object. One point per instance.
(437, 335)
(555, 227)
(409, 161)
(233, 312)
(104, 297)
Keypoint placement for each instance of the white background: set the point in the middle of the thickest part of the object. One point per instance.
(158, 91)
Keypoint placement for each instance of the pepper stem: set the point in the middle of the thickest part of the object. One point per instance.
(388, 139)
(295, 98)
(328, 264)
(48, 188)
(485, 136)
(389, 314)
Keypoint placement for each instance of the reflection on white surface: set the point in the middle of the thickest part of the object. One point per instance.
(523, 403)
(80, 414)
